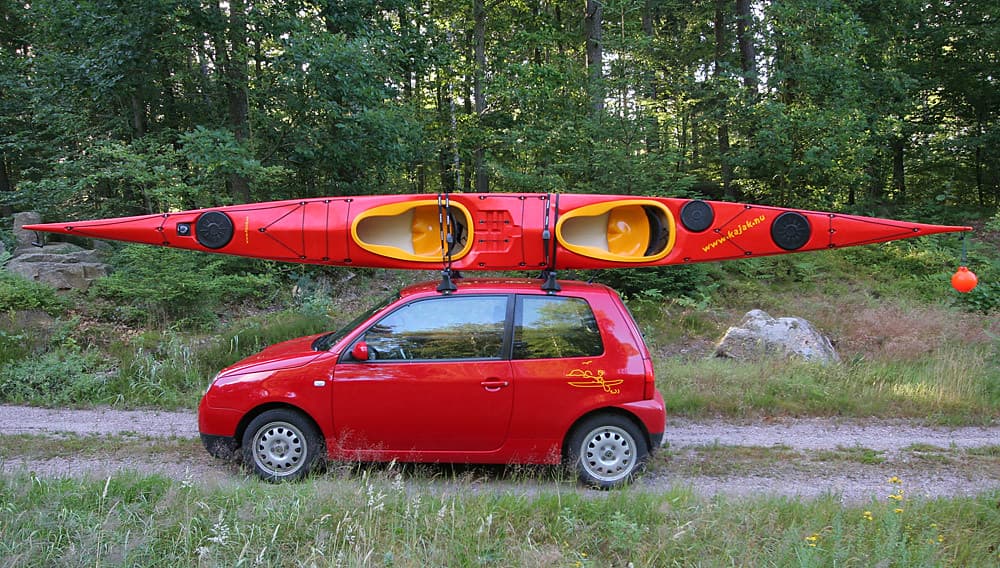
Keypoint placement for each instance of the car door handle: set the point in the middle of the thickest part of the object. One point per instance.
(494, 386)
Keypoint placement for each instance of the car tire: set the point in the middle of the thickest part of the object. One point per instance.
(606, 451)
(282, 445)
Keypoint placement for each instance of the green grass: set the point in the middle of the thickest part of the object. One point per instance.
(959, 387)
(376, 520)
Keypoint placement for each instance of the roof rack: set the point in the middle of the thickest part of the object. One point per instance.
(447, 286)
(549, 282)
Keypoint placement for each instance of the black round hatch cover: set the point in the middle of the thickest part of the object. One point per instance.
(214, 229)
(697, 216)
(791, 230)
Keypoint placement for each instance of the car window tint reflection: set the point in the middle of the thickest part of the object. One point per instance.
(555, 327)
(441, 328)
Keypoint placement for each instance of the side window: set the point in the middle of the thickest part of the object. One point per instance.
(550, 326)
(451, 327)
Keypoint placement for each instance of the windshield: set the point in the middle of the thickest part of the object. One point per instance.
(325, 342)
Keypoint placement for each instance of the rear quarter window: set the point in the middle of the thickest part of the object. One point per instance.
(553, 327)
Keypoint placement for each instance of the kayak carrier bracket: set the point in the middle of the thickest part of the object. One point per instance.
(447, 235)
(447, 286)
(549, 282)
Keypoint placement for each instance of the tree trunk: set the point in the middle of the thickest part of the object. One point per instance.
(536, 19)
(748, 52)
(683, 143)
(6, 185)
(876, 179)
(592, 28)
(138, 115)
(652, 124)
(236, 90)
(980, 190)
(723, 132)
(479, 33)
(898, 173)
(446, 110)
(695, 141)
(231, 58)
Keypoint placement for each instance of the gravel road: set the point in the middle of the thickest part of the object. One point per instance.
(805, 457)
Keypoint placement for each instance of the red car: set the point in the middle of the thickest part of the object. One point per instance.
(497, 371)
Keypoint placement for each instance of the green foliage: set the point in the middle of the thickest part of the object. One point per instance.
(692, 282)
(13, 347)
(62, 377)
(250, 336)
(17, 293)
(152, 284)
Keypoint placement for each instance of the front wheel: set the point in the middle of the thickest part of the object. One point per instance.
(281, 445)
(607, 450)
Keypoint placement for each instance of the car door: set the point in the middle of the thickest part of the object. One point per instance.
(436, 379)
(563, 366)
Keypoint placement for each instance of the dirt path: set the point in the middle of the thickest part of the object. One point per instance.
(793, 457)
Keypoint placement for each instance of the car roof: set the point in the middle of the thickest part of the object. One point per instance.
(505, 286)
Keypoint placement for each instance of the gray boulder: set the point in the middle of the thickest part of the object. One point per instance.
(63, 266)
(22, 238)
(760, 336)
(61, 270)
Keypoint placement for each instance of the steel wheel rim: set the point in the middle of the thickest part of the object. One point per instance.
(608, 454)
(279, 449)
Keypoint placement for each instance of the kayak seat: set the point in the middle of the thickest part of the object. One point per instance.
(628, 231)
(427, 234)
(425, 231)
(411, 230)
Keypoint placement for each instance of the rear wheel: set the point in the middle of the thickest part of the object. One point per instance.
(606, 450)
(281, 445)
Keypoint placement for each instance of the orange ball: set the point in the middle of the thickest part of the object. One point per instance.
(964, 280)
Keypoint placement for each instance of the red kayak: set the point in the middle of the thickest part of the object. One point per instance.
(496, 231)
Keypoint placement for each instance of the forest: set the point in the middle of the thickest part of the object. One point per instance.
(112, 107)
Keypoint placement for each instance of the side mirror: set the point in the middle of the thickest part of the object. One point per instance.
(360, 351)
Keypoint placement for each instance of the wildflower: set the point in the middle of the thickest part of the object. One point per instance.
(896, 497)
(868, 516)
(219, 532)
(813, 539)
(895, 480)
(897, 510)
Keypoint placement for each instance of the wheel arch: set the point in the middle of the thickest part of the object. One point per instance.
(247, 418)
(612, 410)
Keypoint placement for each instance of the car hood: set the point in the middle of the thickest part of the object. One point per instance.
(285, 355)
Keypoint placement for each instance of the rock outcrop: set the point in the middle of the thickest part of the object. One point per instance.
(759, 336)
(63, 266)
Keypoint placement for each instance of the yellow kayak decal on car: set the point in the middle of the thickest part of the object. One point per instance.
(594, 380)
